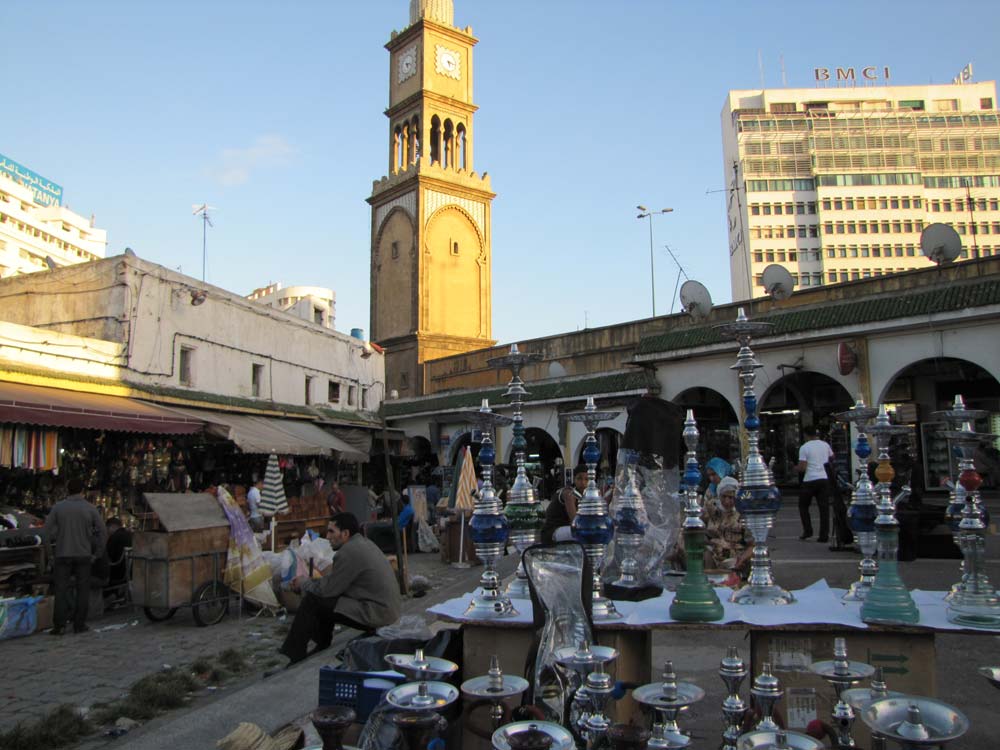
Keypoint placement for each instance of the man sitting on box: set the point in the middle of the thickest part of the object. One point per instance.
(358, 590)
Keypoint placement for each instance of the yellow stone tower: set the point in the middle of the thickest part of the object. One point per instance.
(431, 255)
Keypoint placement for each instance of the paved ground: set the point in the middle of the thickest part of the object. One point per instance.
(42, 671)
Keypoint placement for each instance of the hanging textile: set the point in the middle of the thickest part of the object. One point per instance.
(245, 565)
(24, 447)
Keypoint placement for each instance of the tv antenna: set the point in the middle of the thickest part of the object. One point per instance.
(777, 282)
(202, 209)
(680, 272)
(940, 243)
(695, 299)
(734, 193)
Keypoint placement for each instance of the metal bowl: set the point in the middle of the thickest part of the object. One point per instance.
(765, 739)
(915, 720)
(481, 687)
(568, 656)
(652, 695)
(429, 668)
(561, 738)
(410, 696)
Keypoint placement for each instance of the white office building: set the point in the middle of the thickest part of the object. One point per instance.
(315, 303)
(34, 224)
(836, 184)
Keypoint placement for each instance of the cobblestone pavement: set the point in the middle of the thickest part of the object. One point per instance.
(42, 671)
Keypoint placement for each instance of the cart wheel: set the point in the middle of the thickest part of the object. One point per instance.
(210, 603)
(159, 614)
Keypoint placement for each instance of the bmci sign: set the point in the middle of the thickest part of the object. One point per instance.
(852, 75)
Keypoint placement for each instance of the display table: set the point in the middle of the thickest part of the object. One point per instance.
(787, 637)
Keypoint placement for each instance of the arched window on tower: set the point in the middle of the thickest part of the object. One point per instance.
(414, 139)
(397, 149)
(435, 140)
(449, 145)
(404, 150)
(460, 147)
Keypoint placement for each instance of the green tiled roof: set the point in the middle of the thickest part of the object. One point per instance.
(871, 310)
(619, 382)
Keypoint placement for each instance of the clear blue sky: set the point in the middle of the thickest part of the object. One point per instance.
(272, 112)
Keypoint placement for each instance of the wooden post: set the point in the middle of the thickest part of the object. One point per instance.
(401, 572)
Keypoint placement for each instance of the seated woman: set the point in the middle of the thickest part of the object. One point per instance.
(727, 541)
(716, 469)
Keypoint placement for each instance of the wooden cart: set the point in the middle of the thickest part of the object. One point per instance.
(179, 558)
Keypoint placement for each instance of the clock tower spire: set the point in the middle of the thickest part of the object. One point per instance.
(430, 234)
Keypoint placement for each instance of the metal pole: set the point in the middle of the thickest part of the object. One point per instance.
(204, 232)
(652, 277)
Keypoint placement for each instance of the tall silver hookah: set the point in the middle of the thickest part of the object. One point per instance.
(488, 526)
(758, 500)
(592, 526)
(523, 511)
(973, 600)
(862, 510)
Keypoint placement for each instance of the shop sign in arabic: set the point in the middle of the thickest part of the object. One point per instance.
(46, 193)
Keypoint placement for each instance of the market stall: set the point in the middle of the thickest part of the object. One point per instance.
(179, 558)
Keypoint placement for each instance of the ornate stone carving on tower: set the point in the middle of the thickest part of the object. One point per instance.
(430, 249)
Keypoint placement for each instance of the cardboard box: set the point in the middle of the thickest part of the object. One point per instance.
(907, 660)
(44, 611)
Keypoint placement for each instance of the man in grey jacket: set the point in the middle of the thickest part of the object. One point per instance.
(79, 534)
(358, 590)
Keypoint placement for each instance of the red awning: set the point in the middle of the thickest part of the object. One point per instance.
(55, 407)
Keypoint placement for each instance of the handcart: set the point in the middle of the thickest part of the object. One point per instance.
(179, 558)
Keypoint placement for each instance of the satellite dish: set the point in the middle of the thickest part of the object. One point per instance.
(940, 243)
(556, 370)
(51, 263)
(777, 282)
(695, 299)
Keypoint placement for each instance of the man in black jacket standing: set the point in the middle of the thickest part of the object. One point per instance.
(78, 531)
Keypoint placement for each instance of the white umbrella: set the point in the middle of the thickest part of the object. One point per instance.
(464, 499)
(272, 495)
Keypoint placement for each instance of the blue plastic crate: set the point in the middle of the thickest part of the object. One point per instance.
(338, 687)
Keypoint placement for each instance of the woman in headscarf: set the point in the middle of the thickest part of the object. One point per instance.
(728, 545)
(716, 469)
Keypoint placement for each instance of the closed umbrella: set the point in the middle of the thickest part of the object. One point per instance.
(465, 501)
(272, 495)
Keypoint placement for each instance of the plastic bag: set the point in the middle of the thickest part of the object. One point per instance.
(661, 500)
(318, 550)
(20, 617)
(409, 627)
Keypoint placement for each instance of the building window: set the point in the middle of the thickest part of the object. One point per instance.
(256, 380)
(986, 102)
(395, 249)
(318, 315)
(404, 380)
(364, 398)
(755, 209)
(843, 276)
(454, 248)
(333, 392)
(186, 365)
(308, 390)
(352, 395)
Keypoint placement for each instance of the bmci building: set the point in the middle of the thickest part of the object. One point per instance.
(836, 183)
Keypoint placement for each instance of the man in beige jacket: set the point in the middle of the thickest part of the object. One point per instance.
(358, 590)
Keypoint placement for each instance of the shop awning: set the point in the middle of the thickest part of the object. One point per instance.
(56, 407)
(287, 436)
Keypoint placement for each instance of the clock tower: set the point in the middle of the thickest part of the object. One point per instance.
(430, 232)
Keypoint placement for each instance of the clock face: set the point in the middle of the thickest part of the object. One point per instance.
(407, 65)
(448, 62)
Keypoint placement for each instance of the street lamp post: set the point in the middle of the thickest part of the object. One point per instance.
(646, 213)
